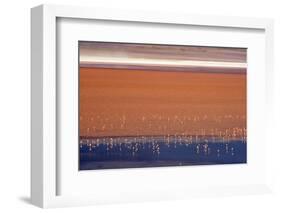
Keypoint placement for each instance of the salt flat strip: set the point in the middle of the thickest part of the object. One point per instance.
(87, 60)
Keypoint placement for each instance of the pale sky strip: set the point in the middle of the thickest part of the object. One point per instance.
(86, 59)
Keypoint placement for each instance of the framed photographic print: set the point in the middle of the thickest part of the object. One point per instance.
(148, 105)
(130, 106)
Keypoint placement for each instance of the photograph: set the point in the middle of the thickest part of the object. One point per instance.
(159, 105)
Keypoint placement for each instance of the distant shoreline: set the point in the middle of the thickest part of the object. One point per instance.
(159, 137)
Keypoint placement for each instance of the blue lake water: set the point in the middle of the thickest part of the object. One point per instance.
(123, 152)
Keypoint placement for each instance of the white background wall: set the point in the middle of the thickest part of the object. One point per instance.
(15, 105)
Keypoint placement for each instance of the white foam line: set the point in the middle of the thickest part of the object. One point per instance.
(159, 62)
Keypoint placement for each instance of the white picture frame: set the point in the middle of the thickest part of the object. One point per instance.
(44, 150)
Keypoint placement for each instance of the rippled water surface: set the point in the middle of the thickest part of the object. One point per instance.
(136, 152)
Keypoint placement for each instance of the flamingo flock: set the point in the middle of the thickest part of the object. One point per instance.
(156, 131)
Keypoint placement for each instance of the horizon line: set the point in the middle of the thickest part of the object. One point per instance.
(146, 62)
